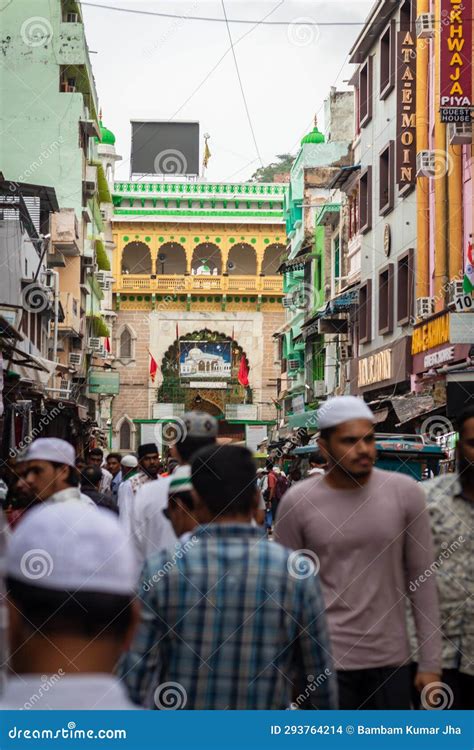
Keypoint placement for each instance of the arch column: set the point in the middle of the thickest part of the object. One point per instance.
(225, 250)
(189, 257)
(259, 252)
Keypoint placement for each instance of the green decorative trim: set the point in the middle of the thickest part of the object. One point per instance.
(228, 189)
(173, 212)
(232, 239)
(161, 239)
(147, 239)
(182, 239)
(126, 238)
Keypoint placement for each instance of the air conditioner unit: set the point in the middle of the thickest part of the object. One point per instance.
(425, 164)
(346, 351)
(424, 307)
(425, 26)
(75, 359)
(460, 133)
(293, 364)
(64, 389)
(72, 18)
(88, 261)
(319, 388)
(94, 344)
(455, 289)
(101, 277)
(90, 180)
(287, 301)
(47, 279)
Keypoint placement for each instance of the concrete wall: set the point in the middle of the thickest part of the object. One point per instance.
(339, 115)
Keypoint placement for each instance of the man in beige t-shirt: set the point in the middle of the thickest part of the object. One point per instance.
(368, 531)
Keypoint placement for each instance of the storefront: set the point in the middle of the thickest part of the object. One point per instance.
(442, 365)
(384, 371)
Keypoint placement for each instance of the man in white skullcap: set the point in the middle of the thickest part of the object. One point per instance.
(72, 611)
(370, 532)
(150, 530)
(51, 471)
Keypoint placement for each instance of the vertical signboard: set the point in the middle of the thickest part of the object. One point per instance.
(455, 61)
(405, 149)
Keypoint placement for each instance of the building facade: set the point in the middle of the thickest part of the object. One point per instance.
(195, 269)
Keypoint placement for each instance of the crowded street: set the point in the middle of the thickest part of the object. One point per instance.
(236, 373)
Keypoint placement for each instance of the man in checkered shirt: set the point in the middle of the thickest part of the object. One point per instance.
(229, 620)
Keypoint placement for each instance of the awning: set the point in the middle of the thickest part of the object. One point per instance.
(381, 415)
(297, 264)
(328, 214)
(341, 177)
(7, 331)
(306, 419)
(38, 370)
(345, 302)
(411, 407)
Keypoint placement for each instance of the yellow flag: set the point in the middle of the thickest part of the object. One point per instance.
(207, 155)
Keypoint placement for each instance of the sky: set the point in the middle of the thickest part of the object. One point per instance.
(149, 67)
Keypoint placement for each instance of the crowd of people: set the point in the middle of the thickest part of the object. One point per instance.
(201, 583)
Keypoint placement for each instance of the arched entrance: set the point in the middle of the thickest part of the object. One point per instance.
(207, 260)
(171, 259)
(272, 258)
(242, 260)
(136, 258)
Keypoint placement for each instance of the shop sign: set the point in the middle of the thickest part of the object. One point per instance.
(105, 383)
(439, 357)
(431, 334)
(405, 161)
(455, 61)
(375, 369)
(212, 384)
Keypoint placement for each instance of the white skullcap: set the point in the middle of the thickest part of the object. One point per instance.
(72, 546)
(342, 409)
(130, 462)
(51, 449)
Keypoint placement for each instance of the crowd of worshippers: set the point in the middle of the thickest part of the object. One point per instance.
(133, 584)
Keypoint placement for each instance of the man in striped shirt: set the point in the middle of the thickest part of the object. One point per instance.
(229, 620)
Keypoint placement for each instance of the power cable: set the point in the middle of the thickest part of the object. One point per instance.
(306, 22)
(241, 84)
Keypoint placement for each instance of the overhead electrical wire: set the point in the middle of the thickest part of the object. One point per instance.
(241, 85)
(306, 22)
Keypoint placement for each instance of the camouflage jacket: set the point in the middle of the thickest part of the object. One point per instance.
(452, 524)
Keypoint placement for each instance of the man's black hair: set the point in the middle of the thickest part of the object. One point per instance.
(187, 447)
(185, 497)
(73, 478)
(91, 477)
(467, 413)
(225, 477)
(268, 465)
(80, 613)
(117, 456)
(96, 452)
(325, 434)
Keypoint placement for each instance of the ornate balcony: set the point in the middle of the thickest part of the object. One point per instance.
(271, 285)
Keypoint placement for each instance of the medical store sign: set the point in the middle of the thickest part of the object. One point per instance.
(455, 60)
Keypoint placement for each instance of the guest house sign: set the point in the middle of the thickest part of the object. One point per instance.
(455, 61)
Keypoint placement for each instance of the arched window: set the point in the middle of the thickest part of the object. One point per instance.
(125, 344)
(125, 435)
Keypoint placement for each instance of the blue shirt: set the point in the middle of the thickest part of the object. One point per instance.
(224, 619)
(115, 484)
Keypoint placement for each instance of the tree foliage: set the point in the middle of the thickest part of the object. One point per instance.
(267, 174)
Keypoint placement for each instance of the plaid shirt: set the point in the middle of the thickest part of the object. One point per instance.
(224, 621)
(452, 524)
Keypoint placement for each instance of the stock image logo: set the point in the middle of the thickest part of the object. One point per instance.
(172, 432)
(438, 696)
(436, 427)
(36, 31)
(170, 696)
(36, 564)
(170, 161)
(34, 298)
(303, 563)
(303, 31)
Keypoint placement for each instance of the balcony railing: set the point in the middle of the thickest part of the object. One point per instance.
(184, 284)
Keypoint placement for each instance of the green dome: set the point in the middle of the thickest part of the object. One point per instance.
(314, 137)
(106, 135)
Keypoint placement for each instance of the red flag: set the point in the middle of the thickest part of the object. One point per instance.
(153, 367)
(243, 376)
(107, 346)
